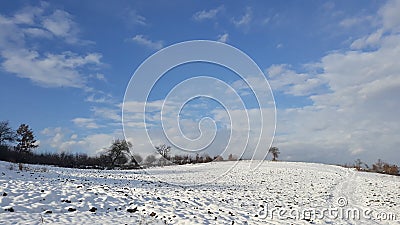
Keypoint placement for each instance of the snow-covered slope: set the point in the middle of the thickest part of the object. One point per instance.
(275, 193)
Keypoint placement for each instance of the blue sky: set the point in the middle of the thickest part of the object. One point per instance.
(332, 66)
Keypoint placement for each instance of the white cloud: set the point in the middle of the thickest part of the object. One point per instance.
(245, 20)
(28, 15)
(354, 68)
(142, 40)
(60, 24)
(10, 34)
(23, 57)
(98, 96)
(136, 106)
(51, 70)
(101, 77)
(275, 70)
(210, 14)
(133, 17)
(371, 40)
(223, 37)
(390, 15)
(64, 140)
(386, 18)
(96, 99)
(282, 78)
(357, 21)
(107, 113)
(36, 22)
(88, 123)
(37, 32)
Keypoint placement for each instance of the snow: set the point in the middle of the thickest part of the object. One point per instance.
(210, 193)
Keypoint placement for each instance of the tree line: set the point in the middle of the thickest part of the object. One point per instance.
(378, 167)
(17, 146)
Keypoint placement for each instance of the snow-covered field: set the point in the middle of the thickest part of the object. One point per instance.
(275, 193)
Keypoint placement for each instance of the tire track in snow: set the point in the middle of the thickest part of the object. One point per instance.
(344, 198)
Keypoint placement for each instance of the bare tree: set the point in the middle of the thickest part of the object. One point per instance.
(360, 165)
(275, 153)
(378, 166)
(163, 150)
(7, 134)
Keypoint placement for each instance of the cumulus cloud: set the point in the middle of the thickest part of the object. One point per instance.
(282, 78)
(10, 34)
(88, 123)
(108, 113)
(64, 140)
(29, 15)
(390, 16)
(371, 40)
(357, 21)
(142, 40)
(101, 77)
(36, 22)
(132, 16)
(96, 99)
(60, 24)
(37, 33)
(207, 14)
(245, 20)
(51, 70)
(43, 68)
(223, 37)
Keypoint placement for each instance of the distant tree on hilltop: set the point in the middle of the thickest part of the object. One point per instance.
(275, 153)
(360, 165)
(163, 150)
(119, 152)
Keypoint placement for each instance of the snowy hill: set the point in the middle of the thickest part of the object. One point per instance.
(275, 193)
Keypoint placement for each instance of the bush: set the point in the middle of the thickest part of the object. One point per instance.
(390, 169)
(386, 168)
